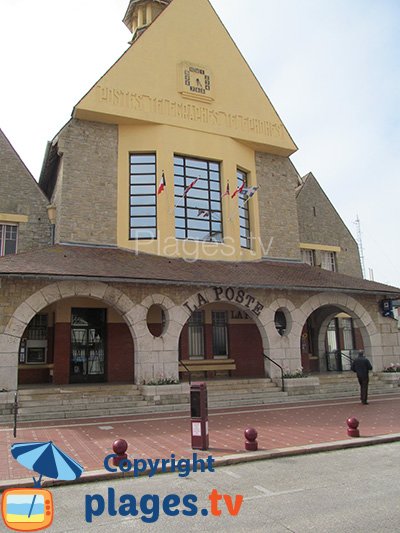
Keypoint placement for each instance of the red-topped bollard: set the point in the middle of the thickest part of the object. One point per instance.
(119, 446)
(352, 427)
(251, 443)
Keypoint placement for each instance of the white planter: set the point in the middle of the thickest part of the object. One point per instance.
(301, 386)
(160, 394)
(389, 377)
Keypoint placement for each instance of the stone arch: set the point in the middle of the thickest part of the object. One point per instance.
(263, 318)
(23, 314)
(342, 302)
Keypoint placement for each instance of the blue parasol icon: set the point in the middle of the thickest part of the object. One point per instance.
(47, 460)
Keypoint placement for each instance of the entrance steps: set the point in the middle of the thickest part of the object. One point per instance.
(51, 402)
(342, 385)
(243, 392)
(77, 401)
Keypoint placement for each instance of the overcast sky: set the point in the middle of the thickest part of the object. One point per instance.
(330, 67)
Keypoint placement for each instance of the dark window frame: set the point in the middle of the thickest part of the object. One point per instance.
(152, 197)
(220, 334)
(201, 196)
(244, 211)
(196, 335)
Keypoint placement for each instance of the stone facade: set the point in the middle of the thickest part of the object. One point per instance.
(86, 190)
(158, 356)
(278, 179)
(21, 195)
(320, 223)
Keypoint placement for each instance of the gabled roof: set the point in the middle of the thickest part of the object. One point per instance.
(115, 264)
(145, 85)
(13, 168)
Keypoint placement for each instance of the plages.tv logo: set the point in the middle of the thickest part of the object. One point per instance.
(26, 509)
(149, 507)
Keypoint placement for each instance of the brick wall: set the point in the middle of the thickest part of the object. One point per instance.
(277, 179)
(21, 195)
(320, 223)
(245, 347)
(62, 351)
(86, 190)
(120, 354)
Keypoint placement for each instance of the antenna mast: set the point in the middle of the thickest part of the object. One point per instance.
(360, 245)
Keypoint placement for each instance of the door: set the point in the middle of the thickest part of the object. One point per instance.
(88, 345)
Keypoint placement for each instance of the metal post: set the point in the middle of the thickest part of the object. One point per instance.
(15, 408)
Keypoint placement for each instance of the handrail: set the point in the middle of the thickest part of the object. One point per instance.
(337, 355)
(187, 370)
(281, 368)
(347, 356)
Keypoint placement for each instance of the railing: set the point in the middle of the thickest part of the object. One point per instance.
(334, 360)
(15, 411)
(281, 369)
(187, 370)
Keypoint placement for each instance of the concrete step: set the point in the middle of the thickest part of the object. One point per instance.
(62, 399)
(258, 395)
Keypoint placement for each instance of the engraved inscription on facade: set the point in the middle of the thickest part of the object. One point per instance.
(190, 112)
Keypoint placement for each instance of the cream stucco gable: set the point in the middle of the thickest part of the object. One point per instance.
(186, 71)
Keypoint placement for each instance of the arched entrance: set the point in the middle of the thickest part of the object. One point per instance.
(222, 331)
(332, 335)
(73, 333)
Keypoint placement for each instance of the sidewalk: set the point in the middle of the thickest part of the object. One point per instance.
(282, 430)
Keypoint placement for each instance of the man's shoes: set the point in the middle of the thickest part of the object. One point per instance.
(364, 403)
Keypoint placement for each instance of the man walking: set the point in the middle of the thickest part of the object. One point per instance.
(361, 366)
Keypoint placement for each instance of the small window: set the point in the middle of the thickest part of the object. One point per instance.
(37, 328)
(280, 322)
(8, 239)
(308, 256)
(143, 198)
(328, 261)
(196, 335)
(244, 214)
(220, 332)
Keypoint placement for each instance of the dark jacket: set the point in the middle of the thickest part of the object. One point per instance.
(361, 366)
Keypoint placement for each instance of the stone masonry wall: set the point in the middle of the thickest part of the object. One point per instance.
(158, 356)
(21, 195)
(87, 201)
(319, 223)
(278, 179)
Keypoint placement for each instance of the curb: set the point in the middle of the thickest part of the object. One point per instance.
(238, 458)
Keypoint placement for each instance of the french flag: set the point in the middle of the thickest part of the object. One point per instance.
(162, 184)
(238, 190)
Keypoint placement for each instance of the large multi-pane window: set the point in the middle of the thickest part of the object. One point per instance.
(198, 208)
(244, 215)
(8, 239)
(143, 197)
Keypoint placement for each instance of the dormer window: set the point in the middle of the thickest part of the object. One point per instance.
(8, 239)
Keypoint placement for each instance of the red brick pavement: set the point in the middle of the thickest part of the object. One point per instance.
(157, 436)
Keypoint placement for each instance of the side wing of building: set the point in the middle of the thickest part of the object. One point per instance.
(325, 240)
(24, 224)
